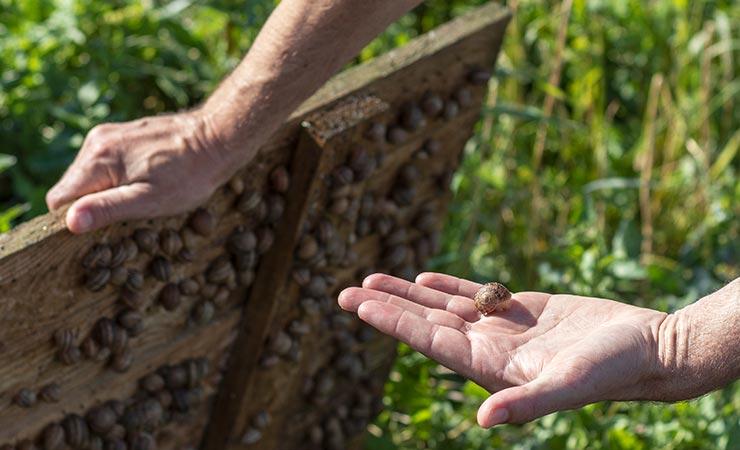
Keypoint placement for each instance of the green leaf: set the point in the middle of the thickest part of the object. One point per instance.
(7, 161)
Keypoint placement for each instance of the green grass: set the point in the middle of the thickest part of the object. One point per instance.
(615, 178)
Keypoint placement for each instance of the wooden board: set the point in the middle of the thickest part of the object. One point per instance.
(270, 351)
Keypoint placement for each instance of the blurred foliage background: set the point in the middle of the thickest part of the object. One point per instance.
(605, 163)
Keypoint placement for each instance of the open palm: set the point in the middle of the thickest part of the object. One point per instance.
(546, 353)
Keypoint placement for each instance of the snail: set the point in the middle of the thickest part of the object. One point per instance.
(105, 331)
(432, 104)
(25, 398)
(76, 431)
(170, 241)
(53, 437)
(478, 76)
(146, 239)
(131, 321)
(118, 276)
(463, 96)
(153, 383)
(97, 278)
(119, 254)
(396, 135)
(51, 393)
(99, 255)
(280, 179)
(161, 268)
(202, 222)
(169, 296)
(376, 132)
(492, 297)
(411, 117)
(451, 110)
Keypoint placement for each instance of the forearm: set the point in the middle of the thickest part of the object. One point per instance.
(698, 346)
(301, 46)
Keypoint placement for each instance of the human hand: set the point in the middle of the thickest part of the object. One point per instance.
(546, 353)
(149, 167)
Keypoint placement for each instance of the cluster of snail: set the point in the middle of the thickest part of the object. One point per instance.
(166, 395)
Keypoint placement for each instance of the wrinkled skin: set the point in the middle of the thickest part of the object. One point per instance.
(546, 353)
(145, 168)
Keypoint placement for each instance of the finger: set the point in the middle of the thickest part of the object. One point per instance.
(527, 402)
(350, 299)
(82, 178)
(448, 284)
(458, 305)
(448, 346)
(94, 211)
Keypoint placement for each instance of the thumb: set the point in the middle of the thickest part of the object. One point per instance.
(93, 211)
(527, 402)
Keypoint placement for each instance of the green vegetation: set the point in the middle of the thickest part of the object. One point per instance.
(629, 192)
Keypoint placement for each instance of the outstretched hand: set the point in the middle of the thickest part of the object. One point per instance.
(546, 353)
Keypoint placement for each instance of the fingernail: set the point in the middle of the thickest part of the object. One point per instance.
(499, 416)
(83, 221)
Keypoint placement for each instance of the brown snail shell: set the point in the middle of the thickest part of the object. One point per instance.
(242, 241)
(70, 356)
(251, 436)
(265, 239)
(169, 296)
(25, 398)
(161, 268)
(130, 298)
(99, 255)
(452, 109)
(118, 276)
(132, 250)
(479, 76)
(146, 239)
(101, 419)
(51, 393)
(432, 104)
(280, 179)
(202, 222)
(171, 242)
(153, 383)
(376, 132)
(135, 280)
(119, 254)
(342, 176)
(463, 96)
(396, 135)
(492, 297)
(131, 321)
(53, 437)
(275, 208)
(76, 431)
(97, 278)
(189, 286)
(121, 362)
(105, 331)
(90, 348)
(411, 117)
(220, 270)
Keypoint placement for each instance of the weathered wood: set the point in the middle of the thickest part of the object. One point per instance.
(42, 281)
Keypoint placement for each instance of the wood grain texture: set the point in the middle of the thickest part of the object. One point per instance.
(42, 281)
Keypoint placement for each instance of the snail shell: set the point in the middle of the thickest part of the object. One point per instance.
(97, 278)
(99, 255)
(396, 135)
(411, 117)
(492, 297)
(280, 179)
(101, 419)
(119, 254)
(463, 96)
(171, 242)
(153, 383)
(146, 239)
(118, 276)
(51, 393)
(432, 104)
(479, 76)
(76, 431)
(25, 398)
(376, 132)
(53, 437)
(202, 222)
(452, 109)
(169, 296)
(161, 269)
